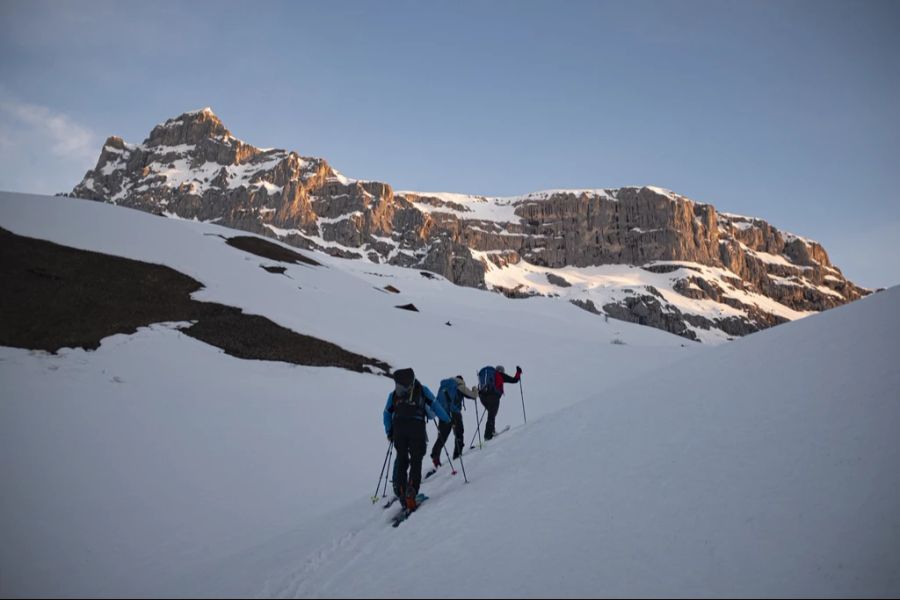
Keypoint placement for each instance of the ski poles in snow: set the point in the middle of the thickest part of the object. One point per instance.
(463, 465)
(390, 454)
(384, 464)
(472, 443)
(523, 399)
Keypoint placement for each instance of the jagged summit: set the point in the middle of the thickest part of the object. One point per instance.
(704, 274)
(190, 128)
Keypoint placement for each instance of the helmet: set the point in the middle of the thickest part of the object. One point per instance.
(500, 368)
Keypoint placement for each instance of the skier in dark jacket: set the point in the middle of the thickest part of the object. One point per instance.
(490, 388)
(408, 408)
(450, 397)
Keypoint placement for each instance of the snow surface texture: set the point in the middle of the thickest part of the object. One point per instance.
(767, 468)
(130, 467)
(159, 465)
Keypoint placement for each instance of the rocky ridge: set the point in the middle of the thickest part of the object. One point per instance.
(734, 273)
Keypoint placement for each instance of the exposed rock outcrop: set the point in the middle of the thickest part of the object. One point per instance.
(192, 167)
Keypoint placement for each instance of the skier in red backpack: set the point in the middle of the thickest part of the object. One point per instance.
(490, 388)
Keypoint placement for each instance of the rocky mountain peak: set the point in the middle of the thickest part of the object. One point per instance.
(189, 128)
(687, 268)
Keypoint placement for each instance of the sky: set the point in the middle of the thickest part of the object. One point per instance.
(784, 110)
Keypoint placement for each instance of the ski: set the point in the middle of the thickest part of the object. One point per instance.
(435, 470)
(496, 433)
(404, 514)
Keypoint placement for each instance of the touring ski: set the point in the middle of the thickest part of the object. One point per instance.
(496, 433)
(404, 514)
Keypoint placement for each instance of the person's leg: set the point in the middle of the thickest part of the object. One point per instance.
(443, 434)
(459, 434)
(491, 404)
(401, 465)
(418, 445)
(486, 403)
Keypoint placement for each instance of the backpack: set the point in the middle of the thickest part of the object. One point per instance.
(487, 380)
(448, 395)
(409, 401)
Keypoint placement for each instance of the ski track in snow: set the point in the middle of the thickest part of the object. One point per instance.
(793, 492)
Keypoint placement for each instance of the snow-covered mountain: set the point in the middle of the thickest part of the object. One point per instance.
(641, 254)
(159, 464)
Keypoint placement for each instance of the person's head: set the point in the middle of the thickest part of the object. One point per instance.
(460, 380)
(501, 369)
(403, 379)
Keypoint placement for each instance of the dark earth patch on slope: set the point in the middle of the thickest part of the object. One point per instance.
(266, 249)
(55, 296)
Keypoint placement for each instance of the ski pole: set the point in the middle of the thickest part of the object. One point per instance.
(390, 454)
(523, 399)
(472, 444)
(463, 465)
(378, 485)
(479, 419)
(450, 460)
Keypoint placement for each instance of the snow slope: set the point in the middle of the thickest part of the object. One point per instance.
(767, 468)
(614, 283)
(159, 465)
(128, 467)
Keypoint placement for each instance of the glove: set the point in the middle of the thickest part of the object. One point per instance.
(390, 437)
(518, 369)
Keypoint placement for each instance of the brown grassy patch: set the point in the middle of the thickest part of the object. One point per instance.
(54, 297)
(267, 249)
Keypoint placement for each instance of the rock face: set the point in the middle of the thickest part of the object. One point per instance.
(192, 167)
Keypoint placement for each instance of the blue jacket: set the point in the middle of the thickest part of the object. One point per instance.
(454, 404)
(432, 409)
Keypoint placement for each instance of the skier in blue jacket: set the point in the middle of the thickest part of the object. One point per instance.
(450, 396)
(406, 412)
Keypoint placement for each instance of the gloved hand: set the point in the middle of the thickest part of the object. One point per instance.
(475, 391)
(390, 437)
(518, 369)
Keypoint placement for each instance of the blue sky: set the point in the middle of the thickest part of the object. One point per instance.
(783, 110)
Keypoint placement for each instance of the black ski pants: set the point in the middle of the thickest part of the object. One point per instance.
(456, 425)
(491, 403)
(410, 442)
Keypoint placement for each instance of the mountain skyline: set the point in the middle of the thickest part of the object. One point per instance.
(702, 274)
(255, 254)
(757, 109)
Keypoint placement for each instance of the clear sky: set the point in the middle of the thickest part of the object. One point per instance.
(789, 111)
